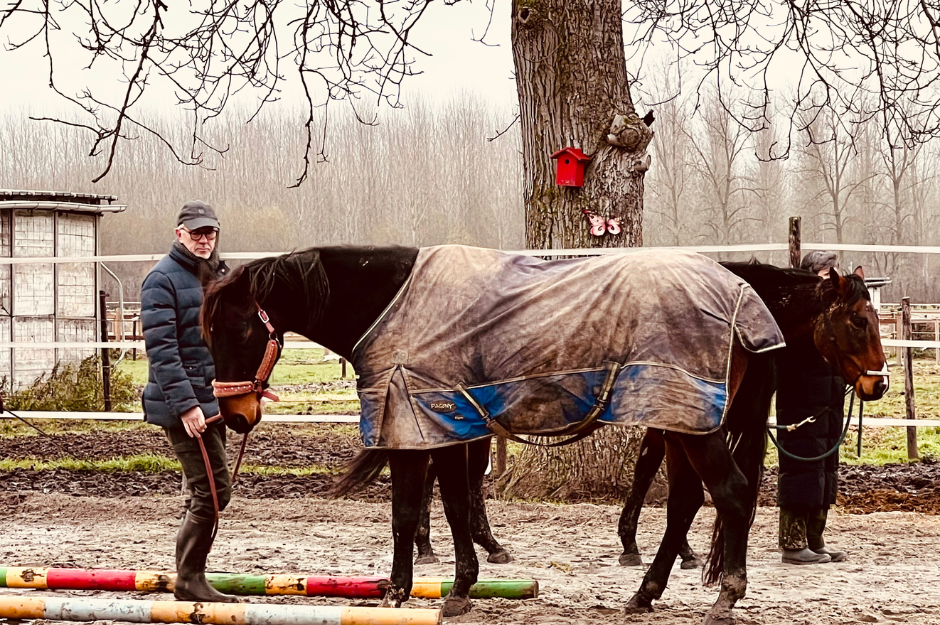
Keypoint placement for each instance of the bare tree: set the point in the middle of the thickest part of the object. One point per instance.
(829, 151)
(718, 154)
(669, 202)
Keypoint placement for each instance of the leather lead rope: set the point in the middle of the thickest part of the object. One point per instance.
(209, 472)
(578, 431)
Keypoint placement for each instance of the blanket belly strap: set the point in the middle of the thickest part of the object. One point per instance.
(578, 431)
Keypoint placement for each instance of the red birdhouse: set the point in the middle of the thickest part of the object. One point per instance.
(569, 170)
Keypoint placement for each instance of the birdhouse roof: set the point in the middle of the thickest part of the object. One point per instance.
(575, 153)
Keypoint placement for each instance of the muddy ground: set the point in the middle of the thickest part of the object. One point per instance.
(864, 489)
(892, 574)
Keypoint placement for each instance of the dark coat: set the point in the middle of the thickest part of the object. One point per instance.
(181, 367)
(807, 385)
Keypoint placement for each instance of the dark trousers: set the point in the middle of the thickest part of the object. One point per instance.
(802, 527)
(194, 468)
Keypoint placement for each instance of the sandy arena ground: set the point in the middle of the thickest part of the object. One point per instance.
(893, 572)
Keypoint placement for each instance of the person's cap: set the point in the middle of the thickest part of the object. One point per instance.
(818, 260)
(195, 215)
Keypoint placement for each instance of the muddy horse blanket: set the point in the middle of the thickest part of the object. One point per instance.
(478, 334)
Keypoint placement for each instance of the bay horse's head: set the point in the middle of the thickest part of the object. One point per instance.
(847, 333)
(244, 318)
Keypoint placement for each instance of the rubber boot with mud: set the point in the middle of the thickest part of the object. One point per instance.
(193, 543)
(803, 556)
(834, 556)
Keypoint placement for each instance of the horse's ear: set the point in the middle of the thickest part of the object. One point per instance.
(835, 277)
(860, 272)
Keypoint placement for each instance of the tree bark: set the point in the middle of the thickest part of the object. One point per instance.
(574, 92)
(572, 82)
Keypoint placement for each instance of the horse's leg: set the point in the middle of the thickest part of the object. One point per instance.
(652, 452)
(423, 536)
(478, 457)
(409, 468)
(690, 559)
(710, 456)
(453, 478)
(685, 498)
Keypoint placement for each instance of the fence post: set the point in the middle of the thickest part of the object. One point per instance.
(105, 356)
(794, 240)
(500, 456)
(908, 358)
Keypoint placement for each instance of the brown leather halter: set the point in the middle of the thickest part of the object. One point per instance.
(233, 389)
(271, 355)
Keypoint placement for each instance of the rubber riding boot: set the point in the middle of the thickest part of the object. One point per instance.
(803, 556)
(192, 548)
(834, 556)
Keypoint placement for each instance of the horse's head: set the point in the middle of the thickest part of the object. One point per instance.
(244, 318)
(847, 334)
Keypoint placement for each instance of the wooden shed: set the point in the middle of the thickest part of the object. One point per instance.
(50, 302)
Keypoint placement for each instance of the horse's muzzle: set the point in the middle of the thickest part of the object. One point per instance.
(241, 413)
(873, 385)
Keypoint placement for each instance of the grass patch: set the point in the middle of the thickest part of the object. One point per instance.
(11, 428)
(880, 445)
(926, 393)
(148, 463)
(296, 366)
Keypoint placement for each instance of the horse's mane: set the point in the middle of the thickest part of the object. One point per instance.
(302, 272)
(794, 290)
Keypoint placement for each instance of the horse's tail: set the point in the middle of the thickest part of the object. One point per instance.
(360, 472)
(746, 430)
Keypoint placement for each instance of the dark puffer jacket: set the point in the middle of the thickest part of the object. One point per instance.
(807, 385)
(181, 367)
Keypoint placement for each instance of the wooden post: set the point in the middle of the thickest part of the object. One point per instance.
(795, 253)
(500, 456)
(105, 356)
(936, 337)
(908, 358)
(134, 338)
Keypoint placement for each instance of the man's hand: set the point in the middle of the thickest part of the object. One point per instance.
(194, 422)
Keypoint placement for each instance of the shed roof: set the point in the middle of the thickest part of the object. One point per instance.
(59, 200)
(55, 196)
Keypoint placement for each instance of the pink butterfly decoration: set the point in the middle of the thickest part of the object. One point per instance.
(599, 227)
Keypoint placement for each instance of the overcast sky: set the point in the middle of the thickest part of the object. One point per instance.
(458, 63)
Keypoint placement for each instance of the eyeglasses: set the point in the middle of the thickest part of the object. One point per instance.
(198, 236)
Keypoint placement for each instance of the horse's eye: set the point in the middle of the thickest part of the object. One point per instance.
(859, 322)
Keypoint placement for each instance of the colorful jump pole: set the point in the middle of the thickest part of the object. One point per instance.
(237, 584)
(85, 609)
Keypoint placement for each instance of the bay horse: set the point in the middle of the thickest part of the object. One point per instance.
(834, 317)
(334, 296)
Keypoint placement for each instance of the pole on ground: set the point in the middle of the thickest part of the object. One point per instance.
(908, 358)
(105, 356)
(795, 252)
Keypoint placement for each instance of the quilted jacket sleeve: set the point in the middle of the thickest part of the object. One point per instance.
(158, 317)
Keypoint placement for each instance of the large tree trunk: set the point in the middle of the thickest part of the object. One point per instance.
(573, 92)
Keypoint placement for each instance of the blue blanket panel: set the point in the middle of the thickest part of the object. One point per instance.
(634, 401)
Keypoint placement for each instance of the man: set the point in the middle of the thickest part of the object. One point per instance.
(808, 386)
(179, 396)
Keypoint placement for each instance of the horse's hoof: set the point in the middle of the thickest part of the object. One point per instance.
(455, 606)
(630, 559)
(428, 558)
(637, 605)
(500, 557)
(691, 563)
(718, 620)
(394, 597)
